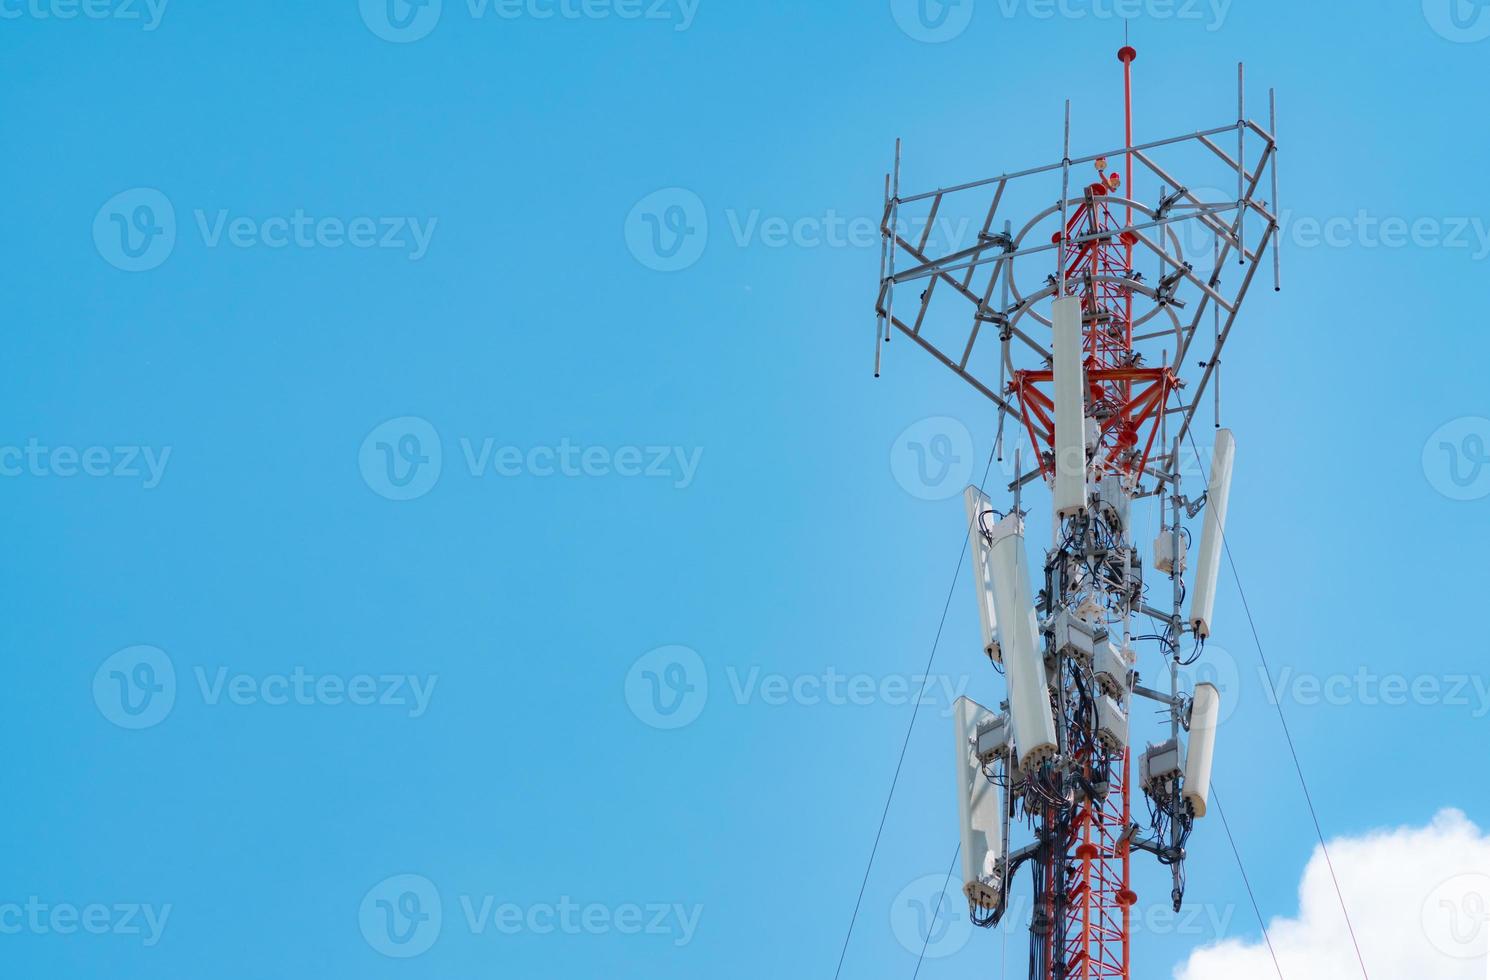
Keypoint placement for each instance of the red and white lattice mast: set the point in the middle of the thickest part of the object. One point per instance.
(1089, 366)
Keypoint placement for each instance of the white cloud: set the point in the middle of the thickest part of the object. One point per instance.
(1419, 898)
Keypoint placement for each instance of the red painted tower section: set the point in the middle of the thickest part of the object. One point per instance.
(1086, 877)
(1125, 398)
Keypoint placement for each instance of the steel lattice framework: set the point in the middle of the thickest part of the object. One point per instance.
(1148, 275)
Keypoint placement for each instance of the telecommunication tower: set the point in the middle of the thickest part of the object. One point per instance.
(1094, 314)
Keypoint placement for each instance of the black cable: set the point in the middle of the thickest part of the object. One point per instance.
(937, 911)
(915, 710)
(1298, 767)
(1288, 735)
(1246, 881)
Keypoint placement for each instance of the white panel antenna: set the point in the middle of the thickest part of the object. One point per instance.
(1112, 724)
(1070, 407)
(1212, 535)
(1024, 665)
(979, 810)
(980, 520)
(1199, 755)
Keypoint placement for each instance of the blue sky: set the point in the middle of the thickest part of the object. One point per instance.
(388, 386)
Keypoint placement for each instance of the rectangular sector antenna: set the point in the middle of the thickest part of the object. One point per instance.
(978, 810)
(1070, 407)
(980, 514)
(1213, 533)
